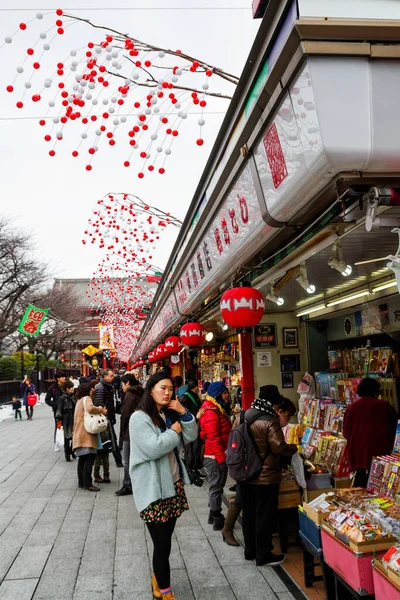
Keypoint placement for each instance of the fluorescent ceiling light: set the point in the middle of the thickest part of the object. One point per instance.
(384, 286)
(348, 298)
(310, 310)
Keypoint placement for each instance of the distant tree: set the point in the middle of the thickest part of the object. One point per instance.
(9, 368)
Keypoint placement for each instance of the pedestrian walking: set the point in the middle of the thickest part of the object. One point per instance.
(28, 389)
(157, 472)
(215, 427)
(259, 498)
(133, 393)
(16, 406)
(85, 444)
(104, 396)
(65, 409)
(53, 395)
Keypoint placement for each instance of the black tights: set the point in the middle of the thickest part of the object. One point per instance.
(161, 534)
(85, 466)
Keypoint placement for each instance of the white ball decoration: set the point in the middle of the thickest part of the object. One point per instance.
(73, 52)
(178, 72)
(168, 151)
(84, 135)
(95, 101)
(114, 64)
(59, 135)
(108, 57)
(43, 35)
(27, 84)
(115, 121)
(113, 99)
(91, 85)
(52, 103)
(98, 49)
(83, 83)
(174, 79)
(161, 54)
(47, 83)
(177, 105)
(153, 136)
(98, 132)
(123, 119)
(156, 110)
(46, 46)
(201, 122)
(205, 86)
(114, 53)
(56, 120)
(159, 149)
(105, 101)
(20, 69)
(111, 110)
(109, 49)
(39, 16)
(73, 68)
(8, 40)
(89, 96)
(135, 76)
(147, 111)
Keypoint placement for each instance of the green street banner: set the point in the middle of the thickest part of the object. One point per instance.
(32, 320)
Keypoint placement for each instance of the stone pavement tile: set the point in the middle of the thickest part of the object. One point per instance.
(285, 596)
(6, 516)
(22, 589)
(215, 593)
(129, 542)
(246, 580)
(43, 534)
(205, 575)
(58, 579)
(29, 563)
(132, 578)
(227, 555)
(68, 545)
(180, 584)
(8, 553)
(272, 578)
(95, 585)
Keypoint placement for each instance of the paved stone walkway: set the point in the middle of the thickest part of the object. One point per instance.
(60, 543)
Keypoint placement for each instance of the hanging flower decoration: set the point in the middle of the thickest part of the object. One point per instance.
(115, 89)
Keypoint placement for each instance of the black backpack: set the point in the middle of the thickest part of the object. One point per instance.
(50, 400)
(242, 458)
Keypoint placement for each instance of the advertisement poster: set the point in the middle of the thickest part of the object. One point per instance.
(106, 337)
(265, 336)
(264, 359)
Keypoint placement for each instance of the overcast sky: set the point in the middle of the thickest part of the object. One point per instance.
(54, 197)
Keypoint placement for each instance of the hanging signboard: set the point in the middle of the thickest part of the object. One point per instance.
(32, 320)
(90, 350)
(106, 337)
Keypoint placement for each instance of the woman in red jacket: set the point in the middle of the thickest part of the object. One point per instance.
(215, 427)
(369, 427)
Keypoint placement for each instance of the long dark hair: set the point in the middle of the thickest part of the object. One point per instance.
(148, 405)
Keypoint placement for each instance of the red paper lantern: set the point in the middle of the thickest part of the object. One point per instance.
(141, 362)
(151, 357)
(242, 307)
(161, 351)
(193, 334)
(174, 344)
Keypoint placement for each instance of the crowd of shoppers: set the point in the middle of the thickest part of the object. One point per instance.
(173, 433)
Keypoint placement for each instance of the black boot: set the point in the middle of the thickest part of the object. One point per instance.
(210, 520)
(219, 521)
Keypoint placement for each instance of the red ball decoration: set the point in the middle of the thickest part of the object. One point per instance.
(174, 344)
(151, 357)
(193, 334)
(242, 307)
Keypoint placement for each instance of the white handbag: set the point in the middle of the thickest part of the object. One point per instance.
(94, 423)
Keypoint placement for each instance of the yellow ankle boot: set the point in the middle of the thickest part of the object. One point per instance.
(155, 586)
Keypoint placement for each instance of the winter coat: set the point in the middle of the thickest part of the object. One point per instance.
(191, 401)
(16, 405)
(53, 395)
(27, 390)
(215, 428)
(149, 465)
(65, 413)
(268, 436)
(80, 437)
(104, 396)
(369, 427)
(132, 398)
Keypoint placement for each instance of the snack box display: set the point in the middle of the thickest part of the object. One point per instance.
(385, 588)
(309, 529)
(353, 567)
(319, 509)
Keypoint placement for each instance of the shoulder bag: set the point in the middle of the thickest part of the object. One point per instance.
(94, 423)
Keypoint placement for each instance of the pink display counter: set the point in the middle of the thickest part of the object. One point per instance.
(354, 568)
(384, 588)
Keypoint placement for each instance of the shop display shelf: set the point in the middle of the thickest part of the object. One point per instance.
(310, 530)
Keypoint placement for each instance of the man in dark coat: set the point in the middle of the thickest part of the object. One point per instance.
(104, 396)
(133, 393)
(54, 394)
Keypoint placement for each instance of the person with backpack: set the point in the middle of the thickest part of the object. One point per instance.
(104, 396)
(54, 394)
(254, 449)
(65, 416)
(28, 389)
(192, 452)
(215, 427)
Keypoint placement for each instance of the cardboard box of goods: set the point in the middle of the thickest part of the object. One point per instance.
(313, 514)
(288, 485)
(289, 500)
(393, 576)
(342, 482)
(310, 495)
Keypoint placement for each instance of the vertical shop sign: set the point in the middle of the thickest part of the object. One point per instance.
(276, 159)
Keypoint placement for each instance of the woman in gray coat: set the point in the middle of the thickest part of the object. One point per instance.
(157, 472)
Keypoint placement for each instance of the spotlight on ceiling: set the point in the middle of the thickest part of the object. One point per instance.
(336, 261)
(222, 325)
(302, 280)
(209, 336)
(272, 297)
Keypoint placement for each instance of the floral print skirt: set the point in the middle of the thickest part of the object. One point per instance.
(161, 511)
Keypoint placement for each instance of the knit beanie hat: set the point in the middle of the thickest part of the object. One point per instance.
(206, 385)
(270, 393)
(216, 389)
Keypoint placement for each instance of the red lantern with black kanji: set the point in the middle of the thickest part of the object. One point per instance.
(242, 307)
(193, 334)
(161, 351)
(174, 344)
